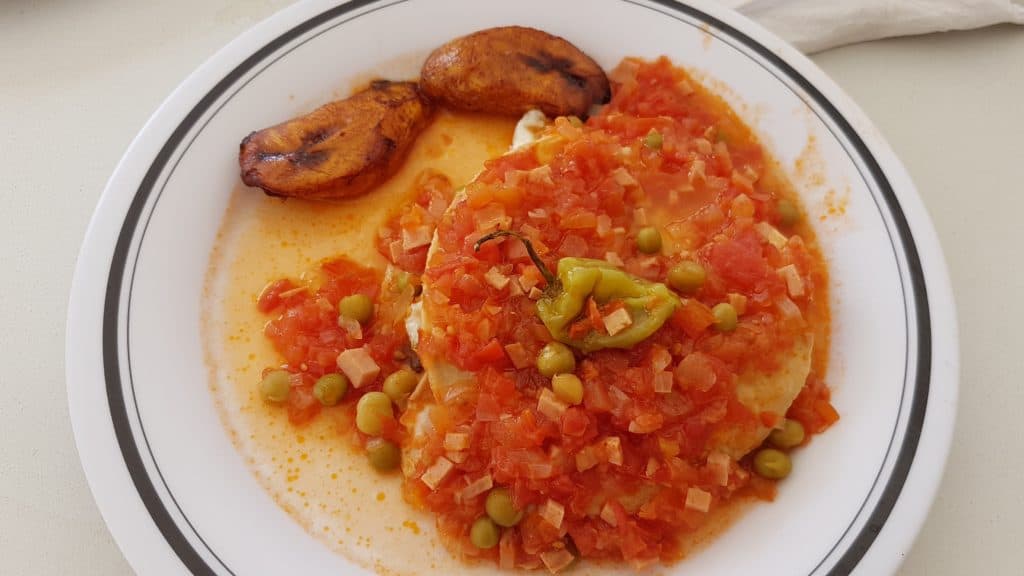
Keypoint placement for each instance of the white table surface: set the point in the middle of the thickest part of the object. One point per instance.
(79, 79)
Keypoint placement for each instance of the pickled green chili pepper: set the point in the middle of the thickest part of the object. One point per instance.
(648, 304)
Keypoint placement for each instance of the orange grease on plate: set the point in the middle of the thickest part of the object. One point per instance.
(312, 472)
(835, 205)
(705, 35)
(810, 172)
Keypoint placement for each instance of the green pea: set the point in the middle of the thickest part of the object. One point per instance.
(398, 385)
(356, 307)
(772, 464)
(371, 411)
(275, 385)
(329, 388)
(568, 388)
(725, 317)
(789, 214)
(687, 277)
(654, 140)
(484, 534)
(383, 455)
(790, 435)
(648, 240)
(555, 358)
(500, 508)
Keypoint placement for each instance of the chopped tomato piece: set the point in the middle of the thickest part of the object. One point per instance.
(270, 298)
(740, 261)
(575, 422)
(692, 317)
(492, 354)
(302, 405)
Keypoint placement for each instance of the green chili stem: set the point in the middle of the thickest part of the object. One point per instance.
(551, 279)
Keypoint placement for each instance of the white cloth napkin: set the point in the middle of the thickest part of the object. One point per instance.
(814, 25)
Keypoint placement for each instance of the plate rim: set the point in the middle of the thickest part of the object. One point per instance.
(933, 296)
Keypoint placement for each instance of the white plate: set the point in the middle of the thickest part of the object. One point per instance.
(176, 494)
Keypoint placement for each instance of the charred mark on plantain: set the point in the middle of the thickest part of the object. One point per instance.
(307, 158)
(318, 136)
(545, 63)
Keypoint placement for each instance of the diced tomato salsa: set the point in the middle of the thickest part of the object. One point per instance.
(306, 332)
(305, 329)
(636, 465)
(405, 238)
(647, 454)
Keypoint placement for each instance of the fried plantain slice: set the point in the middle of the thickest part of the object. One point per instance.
(339, 150)
(511, 70)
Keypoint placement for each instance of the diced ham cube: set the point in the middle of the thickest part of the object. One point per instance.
(549, 405)
(477, 487)
(724, 158)
(739, 302)
(660, 358)
(353, 328)
(771, 234)
(617, 321)
(623, 177)
(557, 560)
(613, 448)
(719, 464)
(608, 514)
(416, 237)
(541, 175)
(456, 441)
(495, 278)
(395, 249)
(553, 512)
(457, 457)
(437, 472)
(358, 366)
(742, 206)
(794, 283)
(697, 499)
(742, 182)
